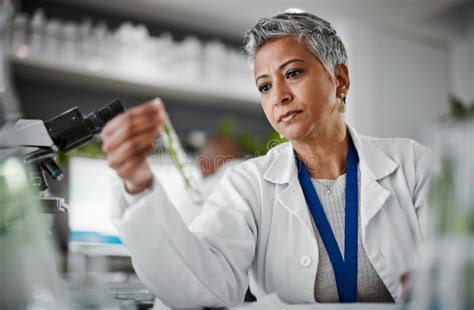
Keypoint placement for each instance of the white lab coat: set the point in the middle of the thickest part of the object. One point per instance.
(256, 222)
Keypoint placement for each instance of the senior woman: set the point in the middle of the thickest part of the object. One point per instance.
(331, 216)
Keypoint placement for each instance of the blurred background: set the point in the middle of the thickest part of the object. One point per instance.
(405, 58)
(411, 64)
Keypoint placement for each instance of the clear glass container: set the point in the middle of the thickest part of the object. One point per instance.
(444, 277)
(181, 161)
(27, 256)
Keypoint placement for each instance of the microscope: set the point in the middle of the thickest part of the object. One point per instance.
(40, 141)
(35, 141)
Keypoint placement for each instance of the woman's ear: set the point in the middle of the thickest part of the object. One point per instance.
(342, 79)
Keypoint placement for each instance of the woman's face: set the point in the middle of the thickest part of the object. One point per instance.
(297, 93)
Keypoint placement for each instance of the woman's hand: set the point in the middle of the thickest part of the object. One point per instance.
(129, 138)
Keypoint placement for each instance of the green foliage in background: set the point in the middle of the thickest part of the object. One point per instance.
(450, 217)
(458, 110)
(247, 141)
(92, 149)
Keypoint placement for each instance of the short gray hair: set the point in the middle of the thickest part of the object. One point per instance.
(317, 33)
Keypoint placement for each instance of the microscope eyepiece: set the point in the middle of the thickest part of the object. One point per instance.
(70, 129)
(97, 119)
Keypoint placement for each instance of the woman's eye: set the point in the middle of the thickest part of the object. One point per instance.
(264, 88)
(292, 73)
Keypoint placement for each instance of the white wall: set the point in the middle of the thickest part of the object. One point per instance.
(400, 81)
(362, 97)
(461, 60)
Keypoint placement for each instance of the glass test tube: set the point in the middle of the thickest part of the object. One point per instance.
(179, 157)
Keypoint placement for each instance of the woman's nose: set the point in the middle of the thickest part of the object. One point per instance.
(281, 93)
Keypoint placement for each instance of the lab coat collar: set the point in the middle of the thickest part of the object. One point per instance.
(282, 169)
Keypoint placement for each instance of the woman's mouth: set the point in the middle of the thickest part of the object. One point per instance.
(288, 116)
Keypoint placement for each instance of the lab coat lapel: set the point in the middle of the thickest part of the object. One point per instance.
(372, 199)
(283, 171)
(292, 199)
(374, 166)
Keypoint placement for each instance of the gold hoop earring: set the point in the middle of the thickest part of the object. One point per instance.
(341, 105)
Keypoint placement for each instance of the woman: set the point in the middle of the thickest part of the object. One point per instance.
(331, 216)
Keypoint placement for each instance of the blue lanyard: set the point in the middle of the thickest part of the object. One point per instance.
(345, 269)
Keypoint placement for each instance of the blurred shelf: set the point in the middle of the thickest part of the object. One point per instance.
(194, 91)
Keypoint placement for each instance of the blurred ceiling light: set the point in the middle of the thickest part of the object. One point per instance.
(22, 52)
(294, 10)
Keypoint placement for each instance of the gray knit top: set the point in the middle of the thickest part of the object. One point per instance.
(370, 288)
